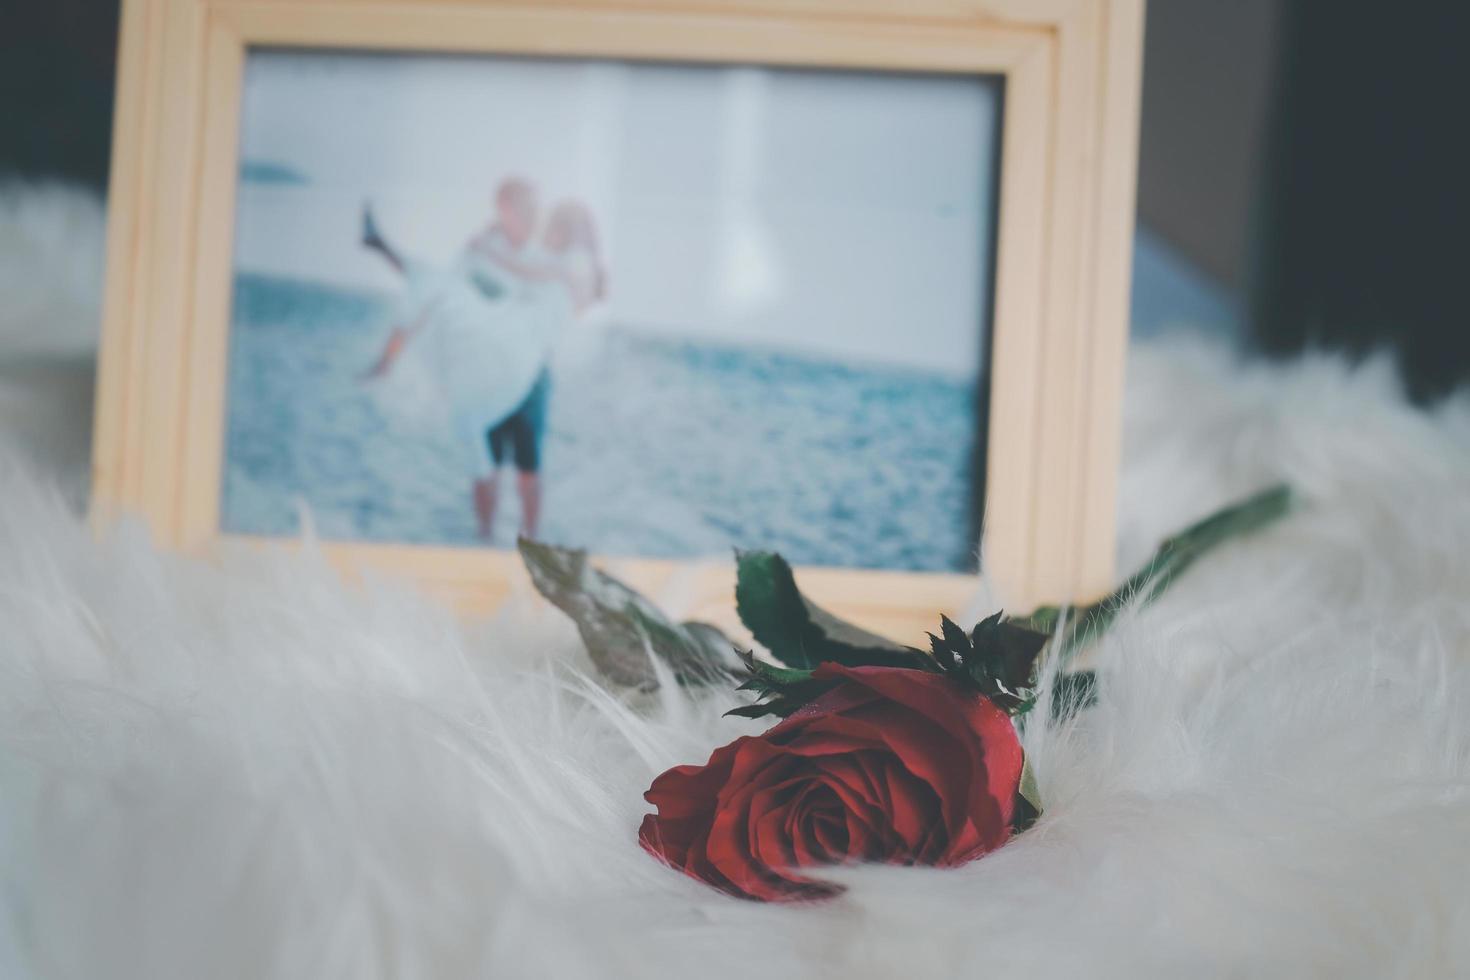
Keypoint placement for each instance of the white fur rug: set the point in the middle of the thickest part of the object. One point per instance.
(249, 771)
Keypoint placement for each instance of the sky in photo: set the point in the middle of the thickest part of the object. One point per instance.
(842, 214)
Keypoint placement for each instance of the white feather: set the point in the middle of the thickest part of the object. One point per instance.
(248, 770)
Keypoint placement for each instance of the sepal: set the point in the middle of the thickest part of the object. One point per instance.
(997, 658)
(779, 691)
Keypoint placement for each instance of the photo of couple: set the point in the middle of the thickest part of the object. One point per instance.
(652, 310)
(492, 318)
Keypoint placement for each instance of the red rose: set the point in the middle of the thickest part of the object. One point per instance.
(892, 765)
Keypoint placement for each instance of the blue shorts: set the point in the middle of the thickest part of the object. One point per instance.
(521, 432)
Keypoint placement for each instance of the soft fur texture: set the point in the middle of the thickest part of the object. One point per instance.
(251, 771)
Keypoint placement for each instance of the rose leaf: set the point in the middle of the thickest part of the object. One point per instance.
(778, 690)
(620, 627)
(1028, 799)
(1009, 650)
(800, 633)
(998, 658)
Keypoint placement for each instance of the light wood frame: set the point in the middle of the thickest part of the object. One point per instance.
(1062, 258)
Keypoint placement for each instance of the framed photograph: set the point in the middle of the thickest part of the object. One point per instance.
(844, 279)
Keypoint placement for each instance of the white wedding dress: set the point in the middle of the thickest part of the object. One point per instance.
(486, 336)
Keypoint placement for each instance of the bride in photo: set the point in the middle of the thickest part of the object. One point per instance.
(487, 325)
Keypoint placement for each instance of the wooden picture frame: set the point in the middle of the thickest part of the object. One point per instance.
(1071, 72)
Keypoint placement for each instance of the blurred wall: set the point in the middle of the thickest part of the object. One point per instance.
(1207, 76)
(57, 59)
(1207, 72)
(1361, 242)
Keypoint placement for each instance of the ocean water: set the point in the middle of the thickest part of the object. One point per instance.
(654, 446)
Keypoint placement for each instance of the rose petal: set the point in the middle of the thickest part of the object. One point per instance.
(923, 749)
(687, 856)
(890, 764)
(798, 820)
(685, 791)
(688, 799)
(752, 755)
(685, 797)
(934, 696)
(843, 697)
(820, 817)
(769, 844)
(831, 833)
(727, 844)
(944, 702)
(986, 734)
(913, 809)
(770, 841)
(869, 825)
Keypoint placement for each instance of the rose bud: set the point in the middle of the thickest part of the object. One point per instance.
(891, 765)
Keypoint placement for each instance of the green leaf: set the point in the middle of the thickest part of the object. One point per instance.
(997, 658)
(620, 627)
(954, 637)
(1042, 619)
(1009, 651)
(758, 710)
(1173, 557)
(774, 674)
(779, 690)
(798, 632)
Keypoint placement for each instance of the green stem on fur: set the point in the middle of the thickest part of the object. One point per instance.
(1086, 623)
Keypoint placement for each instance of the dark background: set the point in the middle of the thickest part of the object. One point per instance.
(1308, 157)
(1363, 210)
(57, 59)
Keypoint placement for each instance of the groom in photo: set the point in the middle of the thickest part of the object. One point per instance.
(490, 262)
(503, 242)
